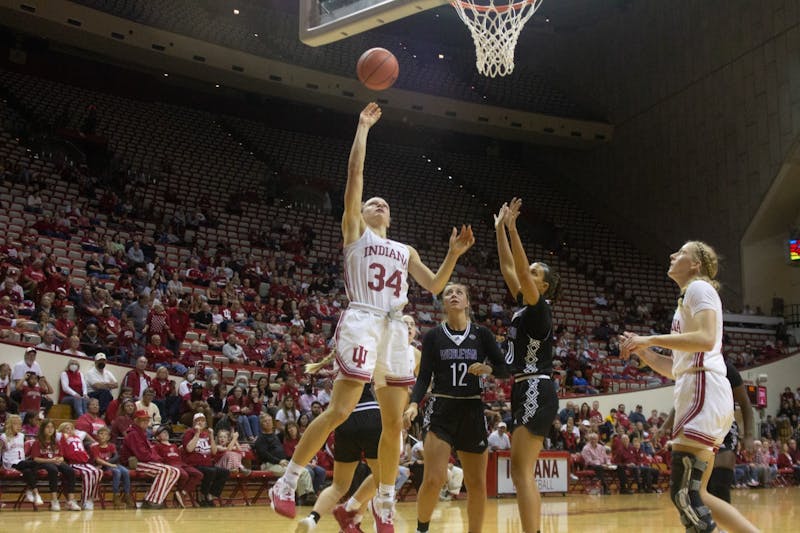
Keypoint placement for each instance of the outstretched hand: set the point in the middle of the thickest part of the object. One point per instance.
(499, 218)
(461, 241)
(370, 115)
(630, 343)
(513, 212)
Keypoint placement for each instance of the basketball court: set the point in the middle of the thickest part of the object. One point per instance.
(769, 509)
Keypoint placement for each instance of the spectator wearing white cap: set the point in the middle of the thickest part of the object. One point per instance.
(498, 439)
(100, 382)
(27, 366)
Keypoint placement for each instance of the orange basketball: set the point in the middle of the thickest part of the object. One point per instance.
(377, 69)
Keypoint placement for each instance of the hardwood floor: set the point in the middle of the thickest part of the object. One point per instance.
(769, 509)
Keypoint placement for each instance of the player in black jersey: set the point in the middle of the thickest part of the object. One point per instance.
(454, 354)
(534, 402)
(358, 435)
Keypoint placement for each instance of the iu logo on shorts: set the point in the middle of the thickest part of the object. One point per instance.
(359, 356)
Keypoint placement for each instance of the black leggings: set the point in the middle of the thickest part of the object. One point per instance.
(30, 470)
(214, 479)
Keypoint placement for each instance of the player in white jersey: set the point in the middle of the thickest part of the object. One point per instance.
(372, 340)
(703, 398)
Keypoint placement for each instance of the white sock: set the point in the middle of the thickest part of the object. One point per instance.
(293, 471)
(386, 492)
(352, 505)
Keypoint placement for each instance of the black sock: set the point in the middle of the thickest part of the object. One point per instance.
(315, 516)
(422, 526)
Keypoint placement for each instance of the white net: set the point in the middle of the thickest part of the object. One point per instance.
(495, 26)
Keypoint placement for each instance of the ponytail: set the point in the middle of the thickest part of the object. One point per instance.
(313, 368)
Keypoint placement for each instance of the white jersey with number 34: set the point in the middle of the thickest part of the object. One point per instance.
(376, 272)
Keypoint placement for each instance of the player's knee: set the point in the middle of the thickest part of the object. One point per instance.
(475, 483)
(719, 484)
(684, 488)
(435, 478)
(335, 415)
(519, 474)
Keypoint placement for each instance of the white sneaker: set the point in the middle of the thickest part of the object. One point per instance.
(305, 525)
(88, 505)
(38, 499)
(29, 496)
(72, 505)
(282, 497)
(383, 514)
(55, 506)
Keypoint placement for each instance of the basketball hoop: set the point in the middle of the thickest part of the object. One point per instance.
(495, 26)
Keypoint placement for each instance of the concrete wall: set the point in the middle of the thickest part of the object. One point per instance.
(705, 98)
(53, 364)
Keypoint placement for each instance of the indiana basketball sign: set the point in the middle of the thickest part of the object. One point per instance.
(552, 473)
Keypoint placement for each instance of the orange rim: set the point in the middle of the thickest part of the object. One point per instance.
(499, 9)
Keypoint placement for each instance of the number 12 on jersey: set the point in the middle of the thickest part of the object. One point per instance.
(459, 373)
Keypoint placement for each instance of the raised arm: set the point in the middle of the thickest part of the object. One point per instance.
(352, 223)
(460, 242)
(530, 293)
(504, 252)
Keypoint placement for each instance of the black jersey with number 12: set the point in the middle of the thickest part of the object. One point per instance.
(447, 356)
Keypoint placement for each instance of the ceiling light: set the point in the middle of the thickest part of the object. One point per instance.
(235, 11)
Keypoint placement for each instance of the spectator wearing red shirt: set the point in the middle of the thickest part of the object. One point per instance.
(33, 279)
(156, 321)
(46, 453)
(63, 324)
(125, 393)
(193, 355)
(105, 456)
(32, 392)
(161, 356)
(109, 325)
(74, 453)
(190, 477)
(200, 448)
(179, 322)
(625, 458)
(137, 379)
(166, 397)
(136, 444)
(123, 421)
(289, 388)
(90, 422)
(622, 418)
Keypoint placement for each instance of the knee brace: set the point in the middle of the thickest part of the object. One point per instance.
(684, 491)
(720, 483)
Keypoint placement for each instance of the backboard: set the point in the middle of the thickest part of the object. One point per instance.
(327, 21)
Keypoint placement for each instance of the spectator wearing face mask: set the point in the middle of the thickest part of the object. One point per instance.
(74, 390)
(185, 386)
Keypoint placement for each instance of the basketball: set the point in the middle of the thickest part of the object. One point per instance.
(377, 69)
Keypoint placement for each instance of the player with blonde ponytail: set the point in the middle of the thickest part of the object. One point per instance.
(702, 397)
